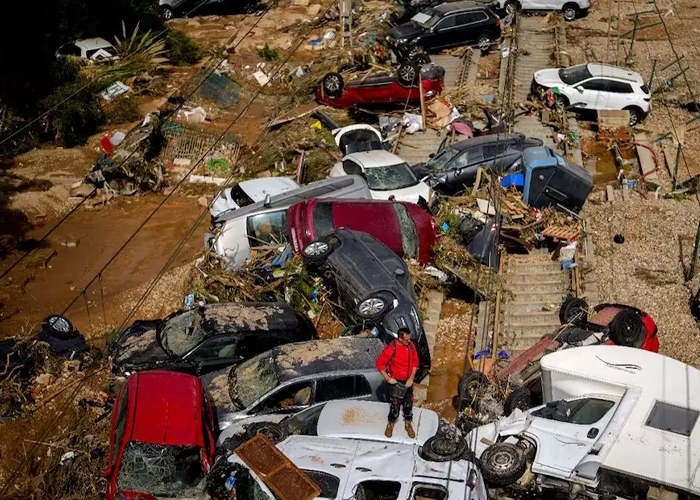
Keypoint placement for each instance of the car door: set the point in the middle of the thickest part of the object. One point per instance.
(620, 95)
(444, 33)
(563, 442)
(463, 167)
(342, 387)
(216, 352)
(469, 26)
(536, 4)
(591, 94)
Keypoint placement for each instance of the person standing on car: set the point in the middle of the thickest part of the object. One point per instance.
(398, 364)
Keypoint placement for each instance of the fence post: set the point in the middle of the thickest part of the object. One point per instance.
(675, 170)
(691, 273)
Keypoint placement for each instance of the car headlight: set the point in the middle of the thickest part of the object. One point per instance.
(402, 40)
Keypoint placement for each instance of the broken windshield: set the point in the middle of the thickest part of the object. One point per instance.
(182, 332)
(305, 422)
(160, 470)
(438, 163)
(574, 74)
(392, 177)
(252, 380)
(427, 18)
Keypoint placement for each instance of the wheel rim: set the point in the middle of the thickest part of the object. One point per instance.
(510, 9)
(168, 14)
(60, 324)
(570, 14)
(332, 83)
(633, 118)
(372, 306)
(502, 460)
(316, 248)
(408, 73)
(473, 389)
(484, 43)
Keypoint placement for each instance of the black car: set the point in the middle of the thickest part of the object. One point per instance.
(373, 284)
(448, 25)
(208, 337)
(454, 168)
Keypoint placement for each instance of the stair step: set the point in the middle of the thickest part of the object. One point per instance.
(533, 305)
(522, 323)
(537, 277)
(528, 283)
(537, 318)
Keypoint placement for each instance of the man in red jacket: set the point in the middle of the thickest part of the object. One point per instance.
(398, 363)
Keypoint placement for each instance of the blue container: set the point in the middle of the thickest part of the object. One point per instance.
(516, 180)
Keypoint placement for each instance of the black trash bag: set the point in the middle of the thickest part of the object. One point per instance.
(469, 227)
(484, 245)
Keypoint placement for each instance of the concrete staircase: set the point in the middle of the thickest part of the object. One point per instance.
(431, 318)
(538, 287)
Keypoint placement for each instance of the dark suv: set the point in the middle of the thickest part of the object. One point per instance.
(449, 25)
(373, 283)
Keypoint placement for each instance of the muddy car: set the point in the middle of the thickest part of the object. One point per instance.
(373, 283)
(292, 377)
(207, 338)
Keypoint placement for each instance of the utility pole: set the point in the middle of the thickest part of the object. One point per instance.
(345, 23)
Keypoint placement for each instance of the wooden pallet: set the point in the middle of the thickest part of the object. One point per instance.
(562, 233)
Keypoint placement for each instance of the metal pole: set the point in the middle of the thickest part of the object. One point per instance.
(634, 32)
(678, 162)
(691, 273)
(651, 78)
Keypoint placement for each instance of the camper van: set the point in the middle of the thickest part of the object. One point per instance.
(616, 421)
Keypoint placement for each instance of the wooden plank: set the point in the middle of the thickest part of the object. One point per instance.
(625, 192)
(646, 159)
(670, 157)
(610, 193)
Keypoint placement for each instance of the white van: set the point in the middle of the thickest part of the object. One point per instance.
(617, 421)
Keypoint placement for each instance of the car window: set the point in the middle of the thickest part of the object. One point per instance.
(619, 87)
(672, 418)
(446, 23)
(342, 388)
(585, 411)
(471, 17)
(359, 140)
(70, 50)
(574, 74)
(251, 380)
(597, 84)
(267, 229)
(351, 168)
(120, 427)
(182, 332)
(422, 491)
(291, 396)
(323, 219)
(438, 163)
(428, 18)
(390, 177)
(253, 344)
(219, 347)
(328, 483)
(378, 490)
(476, 155)
(409, 234)
(494, 150)
(305, 422)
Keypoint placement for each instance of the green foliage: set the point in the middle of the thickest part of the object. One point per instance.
(268, 54)
(182, 51)
(77, 119)
(123, 109)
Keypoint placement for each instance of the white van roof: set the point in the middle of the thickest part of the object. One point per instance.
(659, 432)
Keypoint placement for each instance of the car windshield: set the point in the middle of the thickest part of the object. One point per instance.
(391, 177)
(409, 235)
(359, 140)
(438, 163)
(574, 74)
(427, 18)
(305, 422)
(251, 380)
(182, 332)
(161, 471)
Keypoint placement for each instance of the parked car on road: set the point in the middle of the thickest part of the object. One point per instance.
(570, 9)
(373, 284)
(406, 228)
(248, 192)
(92, 49)
(400, 87)
(162, 439)
(596, 86)
(388, 176)
(172, 8)
(454, 168)
(265, 223)
(207, 338)
(291, 377)
(452, 24)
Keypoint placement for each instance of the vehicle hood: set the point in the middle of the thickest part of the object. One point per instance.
(409, 194)
(406, 30)
(137, 348)
(548, 78)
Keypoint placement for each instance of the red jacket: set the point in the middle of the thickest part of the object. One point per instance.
(400, 363)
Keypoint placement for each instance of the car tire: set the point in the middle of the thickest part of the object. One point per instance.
(471, 386)
(317, 251)
(276, 432)
(502, 464)
(408, 74)
(373, 307)
(421, 59)
(561, 101)
(333, 84)
(59, 327)
(441, 448)
(484, 41)
(511, 8)
(570, 12)
(573, 309)
(520, 398)
(635, 116)
(167, 13)
(627, 329)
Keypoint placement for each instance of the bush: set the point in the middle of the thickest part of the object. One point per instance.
(181, 49)
(76, 119)
(123, 109)
(268, 54)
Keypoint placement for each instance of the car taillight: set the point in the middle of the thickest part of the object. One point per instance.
(471, 481)
(498, 23)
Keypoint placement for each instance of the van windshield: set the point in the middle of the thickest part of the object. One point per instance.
(251, 380)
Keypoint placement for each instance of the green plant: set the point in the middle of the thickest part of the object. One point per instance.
(181, 49)
(268, 54)
(123, 109)
(78, 118)
(140, 51)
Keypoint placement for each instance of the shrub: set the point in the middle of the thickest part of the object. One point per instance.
(268, 54)
(123, 109)
(181, 49)
(77, 118)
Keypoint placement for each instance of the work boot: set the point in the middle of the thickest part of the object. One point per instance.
(409, 430)
(389, 430)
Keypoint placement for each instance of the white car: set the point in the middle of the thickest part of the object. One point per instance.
(93, 49)
(571, 9)
(248, 192)
(597, 86)
(387, 176)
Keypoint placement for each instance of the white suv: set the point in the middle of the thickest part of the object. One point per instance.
(571, 9)
(596, 86)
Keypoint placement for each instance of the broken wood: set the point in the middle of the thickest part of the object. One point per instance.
(610, 193)
(422, 99)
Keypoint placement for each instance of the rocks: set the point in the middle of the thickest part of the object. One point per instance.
(203, 201)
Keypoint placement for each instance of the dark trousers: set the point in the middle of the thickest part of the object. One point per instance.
(405, 403)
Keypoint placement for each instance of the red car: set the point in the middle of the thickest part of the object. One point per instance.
(162, 440)
(404, 227)
(381, 88)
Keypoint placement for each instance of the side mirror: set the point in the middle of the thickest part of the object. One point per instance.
(268, 200)
(580, 89)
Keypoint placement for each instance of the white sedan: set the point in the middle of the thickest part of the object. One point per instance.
(387, 176)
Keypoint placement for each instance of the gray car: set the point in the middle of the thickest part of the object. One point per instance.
(292, 377)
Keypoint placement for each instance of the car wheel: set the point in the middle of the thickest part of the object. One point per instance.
(317, 251)
(444, 448)
(484, 42)
(635, 116)
(562, 101)
(407, 74)
(471, 387)
(502, 464)
(520, 398)
(333, 84)
(421, 58)
(627, 329)
(570, 12)
(59, 327)
(511, 8)
(276, 432)
(372, 307)
(167, 13)
(573, 310)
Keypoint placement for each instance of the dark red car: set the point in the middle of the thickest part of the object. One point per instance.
(384, 88)
(404, 227)
(162, 441)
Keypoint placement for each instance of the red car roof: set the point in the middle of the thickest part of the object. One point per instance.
(377, 218)
(168, 408)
